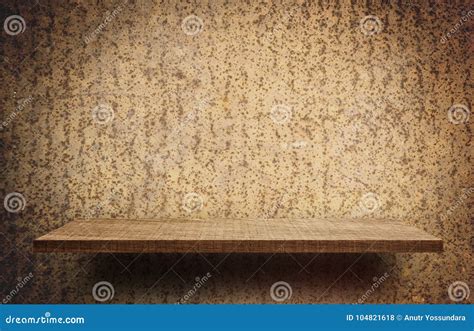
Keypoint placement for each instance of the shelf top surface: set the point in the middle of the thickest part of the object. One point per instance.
(239, 235)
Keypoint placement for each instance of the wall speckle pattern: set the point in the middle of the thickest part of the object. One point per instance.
(248, 109)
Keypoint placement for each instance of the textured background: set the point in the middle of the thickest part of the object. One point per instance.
(366, 117)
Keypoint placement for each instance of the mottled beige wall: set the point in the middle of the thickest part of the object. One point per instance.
(357, 120)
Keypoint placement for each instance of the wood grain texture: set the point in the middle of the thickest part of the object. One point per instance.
(237, 235)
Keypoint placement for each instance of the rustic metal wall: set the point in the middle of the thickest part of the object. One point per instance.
(144, 109)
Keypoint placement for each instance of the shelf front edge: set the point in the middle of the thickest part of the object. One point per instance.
(241, 246)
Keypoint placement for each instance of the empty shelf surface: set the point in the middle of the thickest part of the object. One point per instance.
(237, 235)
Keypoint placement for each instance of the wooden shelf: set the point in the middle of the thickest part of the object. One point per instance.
(237, 235)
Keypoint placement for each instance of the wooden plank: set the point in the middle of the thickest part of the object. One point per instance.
(237, 235)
